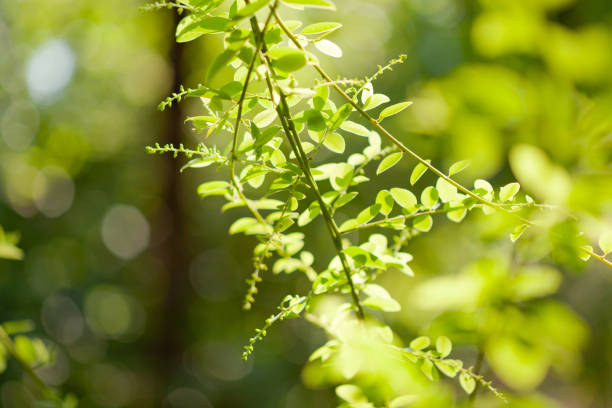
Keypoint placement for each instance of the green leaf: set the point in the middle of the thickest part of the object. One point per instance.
(335, 143)
(242, 225)
(450, 368)
(221, 61)
(467, 382)
(321, 97)
(367, 214)
(320, 28)
(393, 110)
(420, 343)
(212, 188)
(10, 251)
(417, 173)
(309, 214)
(345, 199)
(457, 215)
(427, 367)
(459, 166)
(517, 232)
(385, 199)
(403, 401)
(264, 118)
(447, 191)
(380, 299)
(605, 242)
(340, 116)
(507, 192)
(251, 9)
(388, 162)
(351, 393)
(193, 26)
(287, 59)
(423, 223)
(404, 198)
(375, 101)
(326, 4)
(329, 48)
(444, 346)
(429, 197)
(355, 128)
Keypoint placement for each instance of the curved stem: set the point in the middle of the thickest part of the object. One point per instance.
(237, 186)
(377, 125)
(398, 143)
(284, 115)
(48, 393)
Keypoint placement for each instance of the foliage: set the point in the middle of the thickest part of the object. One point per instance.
(294, 184)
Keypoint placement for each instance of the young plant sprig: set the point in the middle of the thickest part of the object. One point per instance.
(272, 160)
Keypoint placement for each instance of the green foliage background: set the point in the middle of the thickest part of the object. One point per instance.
(132, 279)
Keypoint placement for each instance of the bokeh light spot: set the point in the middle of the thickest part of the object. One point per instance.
(49, 70)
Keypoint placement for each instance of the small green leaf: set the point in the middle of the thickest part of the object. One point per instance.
(427, 367)
(355, 128)
(447, 191)
(351, 393)
(444, 346)
(388, 162)
(329, 48)
(429, 197)
(393, 110)
(467, 382)
(450, 368)
(321, 97)
(420, 343)
(213, 188)
(457, 215)
(345, 199)
(222, 60)
(517, 232)
(287, 59)
(309, 214)
(375, 101)
(403, 401)
(335, 143)
(367, 214)
(605, 242)
(340, 116)
(320, 28)
(325, 4)
(385, 199)
(423, 223)
(264, 118)
(380, 299)
(417, 173)
(193, 26)
(251, 9)
(459, 166)
(507, 192)
(404, 198)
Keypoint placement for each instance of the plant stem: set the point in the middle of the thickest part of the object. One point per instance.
(377, 125)
(238, 187)
(477, 368)
(398, 143)
(48, 393)
(284, 114)
(600, 258)
(398, 218)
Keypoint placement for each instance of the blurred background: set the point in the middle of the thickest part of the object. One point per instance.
(134, 282)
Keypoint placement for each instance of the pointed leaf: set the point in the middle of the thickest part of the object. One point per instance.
(388, 162)
(393, 110)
